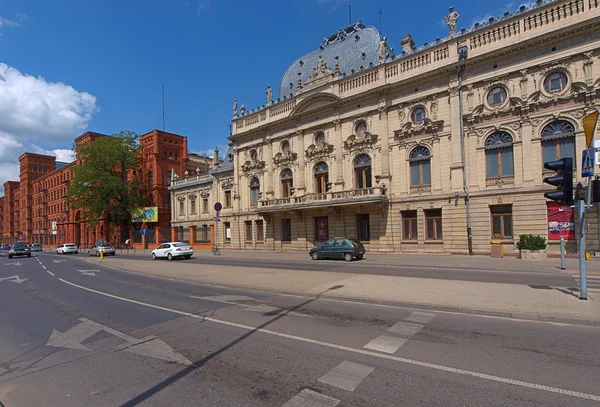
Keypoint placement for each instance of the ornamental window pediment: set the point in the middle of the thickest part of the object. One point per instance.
(319, 150)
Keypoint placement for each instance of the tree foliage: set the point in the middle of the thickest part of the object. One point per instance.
(104, 186)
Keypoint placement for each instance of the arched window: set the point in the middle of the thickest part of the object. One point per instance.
(321, 172)
(420, 166)
(418, 115)
(362, 171)
(254, 191)
(319, 138)
(499, 154)
(285, 147)
(150, 178)
(558, 140)
(169, 177)
(360, 129)
(253, 155)
(287, 183)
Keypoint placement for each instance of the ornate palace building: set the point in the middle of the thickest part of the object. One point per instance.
(404, 149)
(34, 209)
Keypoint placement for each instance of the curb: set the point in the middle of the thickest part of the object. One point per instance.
(525, 316)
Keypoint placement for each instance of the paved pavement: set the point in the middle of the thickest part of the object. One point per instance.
(80, 333)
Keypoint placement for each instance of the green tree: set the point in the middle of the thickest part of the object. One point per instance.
(104, 186)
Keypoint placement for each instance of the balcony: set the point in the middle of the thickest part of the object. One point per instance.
(311, 200)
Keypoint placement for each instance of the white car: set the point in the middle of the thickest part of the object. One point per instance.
(67, 248)
(172, 250)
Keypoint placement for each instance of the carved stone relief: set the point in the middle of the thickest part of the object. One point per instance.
(319, 151)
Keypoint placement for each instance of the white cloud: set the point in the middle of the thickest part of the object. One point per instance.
(35, 112)
(211, 151)
(202, 5)
(7, 22)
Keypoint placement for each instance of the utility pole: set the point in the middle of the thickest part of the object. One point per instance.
(462, 54)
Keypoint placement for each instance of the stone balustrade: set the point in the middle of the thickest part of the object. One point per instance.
(327, 198)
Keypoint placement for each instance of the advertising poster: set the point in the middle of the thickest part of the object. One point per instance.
(149, 214)
(560, 222)
(322, 230)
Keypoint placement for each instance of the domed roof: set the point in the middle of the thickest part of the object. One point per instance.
(356, 46)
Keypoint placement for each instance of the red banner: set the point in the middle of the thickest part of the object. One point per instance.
(560, 222)
(322, 229)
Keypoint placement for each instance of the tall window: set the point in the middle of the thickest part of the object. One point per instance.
(285, 147)
(501, 221)
(286, 230)
(193, 206)
(287, 183)
(254, 189)
(321, 171)
(248, 226)
(555, 82)
(409, 225)
(360, 129)
(558, 140)
(420, 166)
(204, 205)
(499, 154)
(319, 138)
(362, 171)
(169, 175)
(363, 228)
(181, 208)
(203, 234)
(227, 231)
(150, 178)
(228, 198)
(433, 224)
(260, 231)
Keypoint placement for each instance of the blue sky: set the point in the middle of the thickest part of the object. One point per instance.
(99, 64)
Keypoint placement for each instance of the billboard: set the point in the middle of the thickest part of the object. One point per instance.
(560, 222)
(148, 214)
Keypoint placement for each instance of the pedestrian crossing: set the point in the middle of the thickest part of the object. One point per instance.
(593, 282)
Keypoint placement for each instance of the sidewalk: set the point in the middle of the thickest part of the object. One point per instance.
(505, 300)
(447, 261)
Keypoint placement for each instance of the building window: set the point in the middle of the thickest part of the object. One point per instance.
(555, 82)
(319, 138)
(150, 178)
(169, 176)
(260, 231)
(418, 115)
(253, 155)
(286, 226)
(499, 155)
(433, 224)
(409, 225)
(165, 155)
(170, 156)
(227, 231)
(496, 96)
(285, 147)
(203, 234)
(228, 199)
(254, 191)
(193, 206)
(321, 228)
(420, 166)
(362, 171)
(287, 183)
(176, 156)
(363, 228)
(558, 141)
(181, 208)
(248, 227)
(360, 129)
(501, 221)
(321, 172)
(204, 205)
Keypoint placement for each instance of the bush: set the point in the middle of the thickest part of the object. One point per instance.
(531, 242)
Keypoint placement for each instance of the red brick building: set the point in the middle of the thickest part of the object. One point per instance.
(34, 209)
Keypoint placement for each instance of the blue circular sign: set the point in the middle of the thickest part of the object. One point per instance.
(144, 231)
(218, 206)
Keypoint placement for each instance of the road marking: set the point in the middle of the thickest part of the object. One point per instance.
(310, 398)
(412, 362)
(149, 346)
(347, 375)
(227, 299)
(402, 328)
(261, 308)
(16, 263)
(88, 272)
(420, 317)
(14, 279)
(51, 273)
(387, 344)
(58, 261)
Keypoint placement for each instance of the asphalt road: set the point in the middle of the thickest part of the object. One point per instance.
(74, 333)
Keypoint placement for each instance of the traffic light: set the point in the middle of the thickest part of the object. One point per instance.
(563, 181)
(596, 191)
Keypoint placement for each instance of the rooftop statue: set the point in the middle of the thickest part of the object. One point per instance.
(451, 19)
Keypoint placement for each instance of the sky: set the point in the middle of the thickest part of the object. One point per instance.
(71, 66)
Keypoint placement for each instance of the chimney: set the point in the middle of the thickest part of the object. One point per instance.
(216, 157)
(407, 43)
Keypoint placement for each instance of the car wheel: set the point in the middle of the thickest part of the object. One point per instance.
(315, 256)
(169, 257)
(348, 256)
(153, 256)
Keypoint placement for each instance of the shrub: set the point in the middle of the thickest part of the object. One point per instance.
(531, 242)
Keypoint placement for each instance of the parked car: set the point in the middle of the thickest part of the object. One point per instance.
(36, 247)
(106, 248)
(172, 250)
(338, 248)
(4, 248)
(19, 249)
(67, 248)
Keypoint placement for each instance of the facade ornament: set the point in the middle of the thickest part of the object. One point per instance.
(192, 196)
(319, 151)
(204, 194)
(269, 95)
(382, 50)
(227, 183)
(299, 84)
(401, 114)
(433, 108)
(243, 110)
(587, 67)
(361, 144)
(453, 86)
(186, 173)
(337, 65)
(181, 198)
(451, 19)
(298, 215)
(470, 97)
(284, 158)
(235, 109)
(253, 165)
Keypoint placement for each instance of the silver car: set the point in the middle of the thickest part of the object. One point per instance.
(67, 248)
(106, 248)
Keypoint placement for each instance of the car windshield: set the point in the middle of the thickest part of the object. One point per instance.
(70, 245)
(354, 241)
(19, 245)
(179, 244)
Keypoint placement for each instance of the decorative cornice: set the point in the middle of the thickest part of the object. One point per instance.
(284, 158)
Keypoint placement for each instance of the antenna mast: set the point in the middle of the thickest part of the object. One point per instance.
(350, 11)
(163, 107)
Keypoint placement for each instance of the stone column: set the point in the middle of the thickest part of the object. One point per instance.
(385, 141)
(270, 169)
(456, 168)
(527, 152)
(157, 236)
(173, 234)
(237, 195)
(402, 177)
(192, 234)
(301, 186)
(339, 159)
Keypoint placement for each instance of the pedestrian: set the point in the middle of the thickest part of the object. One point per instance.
(127, 244)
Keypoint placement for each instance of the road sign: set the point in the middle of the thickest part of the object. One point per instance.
(587, 166)
(144, 231)
(61, 235)
(589, 125)
(218, 206)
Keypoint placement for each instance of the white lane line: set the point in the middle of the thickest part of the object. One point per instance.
(412, 362)
(51, 273)
(387, 344)
(347, 375)
(420, 317)
(310, 398)
(402, 328)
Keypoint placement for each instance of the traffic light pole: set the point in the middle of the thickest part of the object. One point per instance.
(582, 261)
